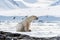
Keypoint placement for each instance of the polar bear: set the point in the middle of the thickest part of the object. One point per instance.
(25, 24)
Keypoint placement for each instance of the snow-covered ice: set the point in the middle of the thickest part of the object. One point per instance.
(38, 29)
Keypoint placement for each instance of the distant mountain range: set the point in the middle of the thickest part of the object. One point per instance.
(11, 18)
(45, 18)
(48, 18)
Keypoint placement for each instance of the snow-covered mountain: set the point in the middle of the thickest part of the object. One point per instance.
(11, 18)
(48, 18)
(45, 18)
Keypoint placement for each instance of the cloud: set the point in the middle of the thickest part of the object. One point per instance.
(54, 11)
(22, 12)
(34, 9)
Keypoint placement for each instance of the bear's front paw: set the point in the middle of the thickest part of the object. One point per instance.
(29, 30)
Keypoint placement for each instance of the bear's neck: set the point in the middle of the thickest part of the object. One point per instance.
(29, 20)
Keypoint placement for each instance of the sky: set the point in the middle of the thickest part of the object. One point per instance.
(34, 7)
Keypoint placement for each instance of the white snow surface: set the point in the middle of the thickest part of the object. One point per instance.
(38, 29)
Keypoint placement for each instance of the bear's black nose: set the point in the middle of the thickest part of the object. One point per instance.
(36, 18)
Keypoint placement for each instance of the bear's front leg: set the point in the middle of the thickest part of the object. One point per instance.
(26, 27)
